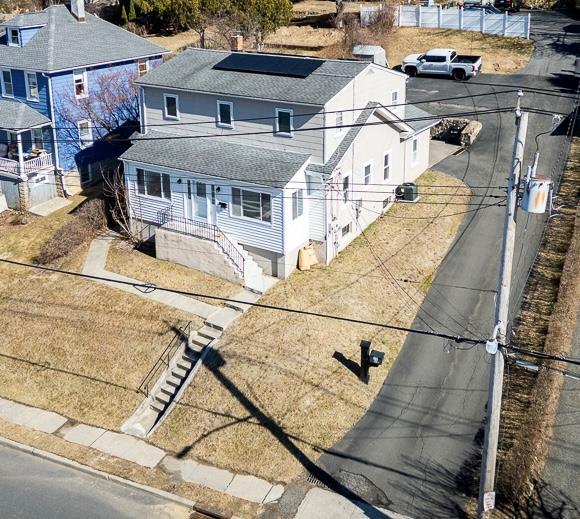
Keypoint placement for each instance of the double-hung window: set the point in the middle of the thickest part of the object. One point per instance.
(415, 151)
(297, 203)
(171, 106)
(339, 121)
(284, 122)
(80, 83)
(345, 188)
(85, 133)
(37, 138)
(394, 97)
(143, 66)
(155, 184)
(368, 172)
(251, 204)
(225, 114)
(7, 85)
(14, 37)
(387, 166)
(31, 81)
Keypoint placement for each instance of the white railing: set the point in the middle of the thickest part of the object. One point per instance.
(456, 18)
(30, 166)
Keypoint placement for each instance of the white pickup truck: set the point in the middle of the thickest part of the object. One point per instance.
(444, 62)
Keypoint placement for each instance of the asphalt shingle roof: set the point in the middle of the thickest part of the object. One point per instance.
(65, 43)
(413, 112)
(193, 70)
(217, 157)
(26, 20)
(15, 115)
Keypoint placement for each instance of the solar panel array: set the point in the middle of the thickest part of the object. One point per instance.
(270, 65)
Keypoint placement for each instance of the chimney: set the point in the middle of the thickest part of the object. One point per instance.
(237, 43)
(77, 8)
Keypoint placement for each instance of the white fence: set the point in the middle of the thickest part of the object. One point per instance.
(456, 18)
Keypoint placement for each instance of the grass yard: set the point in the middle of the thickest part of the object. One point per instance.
(277, 375)
(69, 344)
(139, 265)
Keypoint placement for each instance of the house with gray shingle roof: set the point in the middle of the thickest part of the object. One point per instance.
(245, 159)
(52, 62)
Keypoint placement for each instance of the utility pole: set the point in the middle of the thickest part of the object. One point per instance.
(488, 462)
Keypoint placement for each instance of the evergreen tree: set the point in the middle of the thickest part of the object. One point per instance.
(124, 18)
(132, 13)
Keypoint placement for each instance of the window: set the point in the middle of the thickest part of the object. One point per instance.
(31, 86)
(346, 230)
(339, 121)
(387, 166)
(225, 112)
(394, 97)
(251, 204)
(435, 59)
(386, 202)
(284, 122)
(368, 172)
(14, 36)
(143, 66)
(41, 180)
(37, 138)
(80, 82)
(171, 106)
(297, 203)
(86, 173)
(85, 133)
(358, 207)
(345, 186)
(200, 200)
(310, 184)
(155, 184)
(415, 154)
(7, 85)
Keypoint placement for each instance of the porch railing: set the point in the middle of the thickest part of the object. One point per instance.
(205, 231)
(30, 166)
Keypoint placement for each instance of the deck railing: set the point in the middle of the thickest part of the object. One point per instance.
(205, 231)
(30, 166)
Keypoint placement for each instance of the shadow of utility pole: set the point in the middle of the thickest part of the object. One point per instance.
(214, 362)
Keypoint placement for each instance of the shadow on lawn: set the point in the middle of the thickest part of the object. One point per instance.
(214, 362)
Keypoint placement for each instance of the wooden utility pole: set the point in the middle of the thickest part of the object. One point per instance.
(488, 462)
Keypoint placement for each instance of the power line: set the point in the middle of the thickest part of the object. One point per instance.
(541, 355)
(150, 287)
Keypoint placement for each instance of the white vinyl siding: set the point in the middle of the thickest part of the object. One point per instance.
(284, 122)
(81, 87)
(7, 84)
(31, 81)
(225, 114)
(171, 106)
(151, 183)
(415, 151)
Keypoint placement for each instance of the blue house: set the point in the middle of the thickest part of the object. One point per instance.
(53, 63)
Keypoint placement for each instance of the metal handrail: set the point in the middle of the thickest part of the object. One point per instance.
(164, 359)
(205, 231)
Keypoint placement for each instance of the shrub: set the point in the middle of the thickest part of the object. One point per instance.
(88, 220)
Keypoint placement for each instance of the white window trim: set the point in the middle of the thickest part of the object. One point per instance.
(28, 96)
(83, 146)
(10, 40)
(339, 129)
(247, 218)
(390, 154)
(342, 191)
(396, 102)
(83, 73)
(140, 62)
(288, 111)
(414, 155)
(368, 163)
(165, 115)
(4, 94)
(89, 167)
(298, 198)
(161, 198)
(32, 131)
(218, 118)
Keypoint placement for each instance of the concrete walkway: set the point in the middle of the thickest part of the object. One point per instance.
(49, 207)
(95, 265)
(140, 452)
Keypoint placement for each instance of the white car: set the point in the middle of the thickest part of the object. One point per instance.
(443, 62)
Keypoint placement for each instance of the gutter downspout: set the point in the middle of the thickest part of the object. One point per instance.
(57, 167)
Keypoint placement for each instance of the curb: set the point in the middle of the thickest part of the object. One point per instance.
(94, 472)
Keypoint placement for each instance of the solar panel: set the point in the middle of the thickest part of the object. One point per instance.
(267, 64)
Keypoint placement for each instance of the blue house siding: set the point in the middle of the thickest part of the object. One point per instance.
(42, 105)
(27, 140)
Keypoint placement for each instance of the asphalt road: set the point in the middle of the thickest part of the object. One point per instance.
(33, 488)
(415, 447)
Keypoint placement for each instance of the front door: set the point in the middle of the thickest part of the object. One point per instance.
(200, 202)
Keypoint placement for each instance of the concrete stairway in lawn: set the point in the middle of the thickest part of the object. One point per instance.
(181, 367)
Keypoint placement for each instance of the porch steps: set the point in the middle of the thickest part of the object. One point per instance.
(244, 297)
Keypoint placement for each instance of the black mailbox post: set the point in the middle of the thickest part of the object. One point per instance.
(368, 359)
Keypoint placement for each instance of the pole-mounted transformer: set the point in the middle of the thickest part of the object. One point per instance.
(538, 190)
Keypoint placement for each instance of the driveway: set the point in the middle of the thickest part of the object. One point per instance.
(417, 445)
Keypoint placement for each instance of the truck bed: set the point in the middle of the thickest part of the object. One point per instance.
(468, 60)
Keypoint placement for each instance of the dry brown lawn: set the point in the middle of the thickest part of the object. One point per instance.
(68, 344)
(278, 375)
(139, 265)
